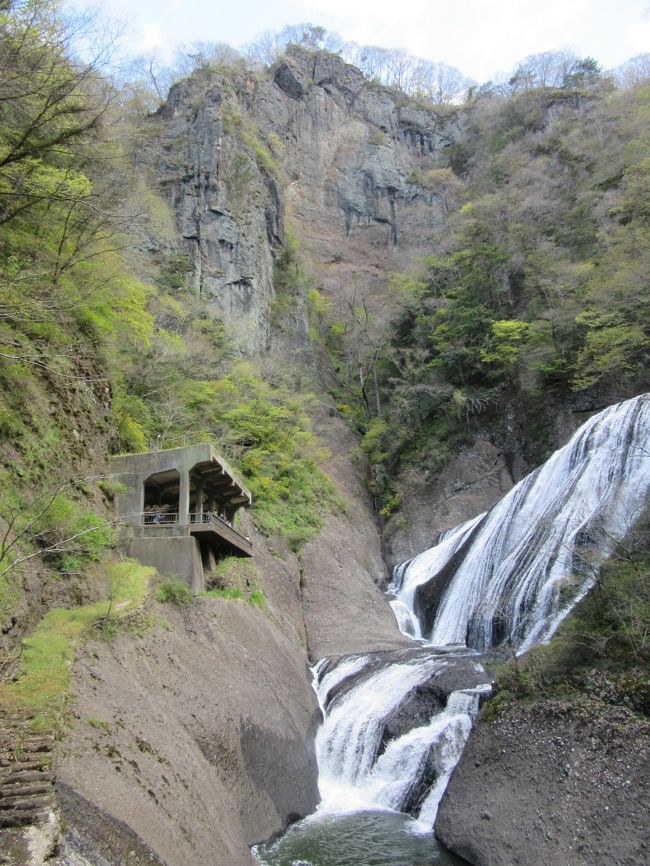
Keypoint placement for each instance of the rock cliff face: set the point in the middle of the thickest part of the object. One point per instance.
(543, 785)
(227, 205)
(352, 152)
(232, 153)
(471, 483)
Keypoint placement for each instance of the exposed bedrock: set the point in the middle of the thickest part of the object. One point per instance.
(471, 483)
(345, 611)
(198, 736)
(542, 784)
(344, 156)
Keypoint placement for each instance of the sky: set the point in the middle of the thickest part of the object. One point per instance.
(482, 38)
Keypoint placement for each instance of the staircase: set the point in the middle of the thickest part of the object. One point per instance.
(28, 826)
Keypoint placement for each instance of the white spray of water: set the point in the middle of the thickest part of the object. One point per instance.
(534, 555)
(353, 773)
(520, 569)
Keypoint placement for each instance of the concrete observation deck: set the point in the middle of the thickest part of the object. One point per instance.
(178, 508)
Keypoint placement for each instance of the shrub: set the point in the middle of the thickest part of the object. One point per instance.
(233, 572)
(602, 648)
(174, 592)
(256, 598)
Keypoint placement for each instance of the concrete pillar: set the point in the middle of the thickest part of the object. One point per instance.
(184, 499)
(212, 559)
(199, 500)
(198, 581)
(140, 482)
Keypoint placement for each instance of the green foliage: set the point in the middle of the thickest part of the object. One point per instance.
(236, 578)
(111, 487)
(176, 592)
(72, 534)
(174, 271)
(44, 683)
(234, 572)
(373, 442)
(506, 344)
(256, 598)
(539, 286)
(249, 135)
(266, 428)
(49, 103)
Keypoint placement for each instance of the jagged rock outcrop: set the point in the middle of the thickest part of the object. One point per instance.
(351, 153)
(216, 174)
(231, 152)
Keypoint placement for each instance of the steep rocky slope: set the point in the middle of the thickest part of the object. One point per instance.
(551, 784)
(195, 740)
(336, 154)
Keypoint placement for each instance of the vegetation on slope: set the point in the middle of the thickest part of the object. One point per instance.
(536, 293)
(602, 650)
(93, 359)
(42, 683)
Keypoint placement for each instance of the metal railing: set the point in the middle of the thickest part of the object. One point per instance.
(206, 518)
(209, 517)
(159, 518)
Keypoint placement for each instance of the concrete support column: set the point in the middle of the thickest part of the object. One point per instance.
(141, 495)
(212, 559)
(184, 499)
(199, 501)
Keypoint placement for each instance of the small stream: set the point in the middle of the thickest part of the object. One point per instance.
(395, 724)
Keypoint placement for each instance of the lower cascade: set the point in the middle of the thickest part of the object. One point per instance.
(360, 767)
(395, 723)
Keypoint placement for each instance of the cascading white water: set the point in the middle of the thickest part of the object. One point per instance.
(410, 575)
(461, 710)
(512, 573)
(524, 564)
(535, 554)
(353, 774)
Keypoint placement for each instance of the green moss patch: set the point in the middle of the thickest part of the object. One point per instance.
(43, 686)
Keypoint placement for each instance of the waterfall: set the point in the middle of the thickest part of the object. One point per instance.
(394, 725)
(358, 769)
(515, 572)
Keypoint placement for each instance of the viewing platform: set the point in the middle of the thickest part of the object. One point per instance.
(207, 524)
(179, 507)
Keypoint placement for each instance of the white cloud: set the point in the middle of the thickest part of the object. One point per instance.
(151, 37)
(639, 37)
(481, 36)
